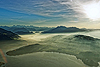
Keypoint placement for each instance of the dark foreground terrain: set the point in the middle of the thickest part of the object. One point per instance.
(7, 35)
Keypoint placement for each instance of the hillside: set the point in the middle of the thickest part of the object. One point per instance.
(7, 35)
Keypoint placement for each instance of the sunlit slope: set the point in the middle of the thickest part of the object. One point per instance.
(83, 47)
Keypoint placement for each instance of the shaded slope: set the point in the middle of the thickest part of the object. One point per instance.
(7, 35)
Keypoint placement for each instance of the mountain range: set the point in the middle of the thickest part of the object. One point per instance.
(22, 29)
(63, 29)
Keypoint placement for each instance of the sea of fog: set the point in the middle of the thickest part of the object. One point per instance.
(42, 59)
(39, 36)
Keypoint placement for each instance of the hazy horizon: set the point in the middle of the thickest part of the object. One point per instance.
(50, 26)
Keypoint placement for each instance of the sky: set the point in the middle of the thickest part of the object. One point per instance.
(76, 13)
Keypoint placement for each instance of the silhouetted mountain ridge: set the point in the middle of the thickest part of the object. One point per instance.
(21, 31)
(63, 29)
(7, 35)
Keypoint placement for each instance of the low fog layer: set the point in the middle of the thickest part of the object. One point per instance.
(83, 45)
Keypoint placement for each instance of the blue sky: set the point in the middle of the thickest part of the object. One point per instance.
(46, 13)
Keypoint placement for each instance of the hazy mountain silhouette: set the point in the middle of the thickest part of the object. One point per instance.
(63, 29)
(21, 31)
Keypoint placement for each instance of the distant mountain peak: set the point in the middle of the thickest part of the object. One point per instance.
(61, 27)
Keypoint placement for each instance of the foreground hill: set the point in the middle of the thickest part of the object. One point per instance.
(7, 35)
(84, 47)
(63, 29)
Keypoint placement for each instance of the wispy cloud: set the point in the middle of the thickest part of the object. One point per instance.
(45, 7)
(66, 9)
